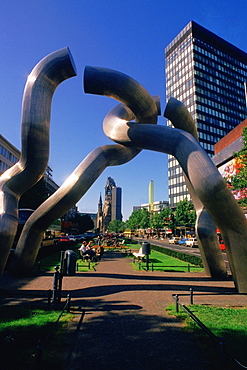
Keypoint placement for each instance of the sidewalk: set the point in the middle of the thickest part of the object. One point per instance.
(124, 324)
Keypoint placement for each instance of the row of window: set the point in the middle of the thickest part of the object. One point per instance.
(181, 69)
(3, 166)
(218, 56)
(175, 200)
(187, 44)
(219, 71)
(176, 180)
(209, 148)
(179, 189)
(221, 80)
(225, 108)
(216, 113)
(204, 137)
(215, 130)
(7, 154)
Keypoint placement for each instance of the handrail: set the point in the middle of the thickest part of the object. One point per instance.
(220, 341)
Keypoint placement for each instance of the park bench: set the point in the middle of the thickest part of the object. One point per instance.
(139, 255)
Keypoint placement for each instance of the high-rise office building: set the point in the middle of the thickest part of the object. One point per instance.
(209, 75)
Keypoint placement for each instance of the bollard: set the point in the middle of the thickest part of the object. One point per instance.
(191, 296)
(55, 283)
(177, 303)
(188, 267)
(60, 281)
(68, 302)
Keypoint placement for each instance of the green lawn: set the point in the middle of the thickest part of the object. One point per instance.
(20, 330)
(228, 323)
(162, 262)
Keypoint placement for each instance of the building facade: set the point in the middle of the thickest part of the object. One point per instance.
(9, 154)
(224, 159)
(158, 206)
(209, 76)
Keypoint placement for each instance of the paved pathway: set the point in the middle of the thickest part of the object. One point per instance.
(124, 325)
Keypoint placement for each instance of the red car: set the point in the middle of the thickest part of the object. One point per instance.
(222, 245)
(64, 238)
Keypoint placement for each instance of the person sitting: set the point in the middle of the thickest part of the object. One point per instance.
(86, 250)
(83, 248)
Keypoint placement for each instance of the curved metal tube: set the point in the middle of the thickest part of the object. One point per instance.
(119, 86)
(208, 184)
(211, 254)
(88, 171)
(36, 106)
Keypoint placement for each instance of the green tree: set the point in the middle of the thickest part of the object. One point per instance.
(116, 226)
(238, 182)
(185, 213)
(139, 219)
(83, 223)
(159, 220)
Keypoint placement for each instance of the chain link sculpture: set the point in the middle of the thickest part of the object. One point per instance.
(35, 126)
(144, 108)
(213, 201)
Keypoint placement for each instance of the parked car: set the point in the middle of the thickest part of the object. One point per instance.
(222, 245)
(182, 241)
(48, 241)
(174, 240)
(64, 239)
(191, 242)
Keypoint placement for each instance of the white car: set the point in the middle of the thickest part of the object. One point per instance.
(72, 238)
(191, 242)
(174, 240)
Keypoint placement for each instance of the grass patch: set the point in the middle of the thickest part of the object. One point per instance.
(21, 328)
(162, 262)
(224, 322)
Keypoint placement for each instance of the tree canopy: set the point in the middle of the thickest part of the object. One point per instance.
(116, 226)
(139, 219)
(185, 213)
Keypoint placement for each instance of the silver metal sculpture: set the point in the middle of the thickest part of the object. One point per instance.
(145, 108)
(208, 187)
(208, 184)
(36, 106)
(212, 257)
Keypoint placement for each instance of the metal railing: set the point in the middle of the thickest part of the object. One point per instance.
(152, 266)
(221, 343)
(41, 343)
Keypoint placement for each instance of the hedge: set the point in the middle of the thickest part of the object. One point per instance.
(194, 260)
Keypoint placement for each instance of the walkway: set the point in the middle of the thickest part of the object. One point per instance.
(125, 325)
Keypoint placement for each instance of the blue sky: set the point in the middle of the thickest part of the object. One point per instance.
(129, 36)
